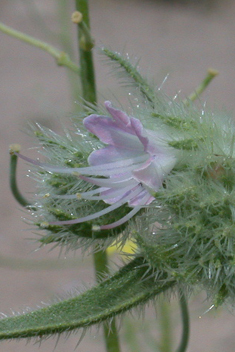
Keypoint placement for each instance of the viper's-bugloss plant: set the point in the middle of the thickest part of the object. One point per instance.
(161, 174)
(186, 231)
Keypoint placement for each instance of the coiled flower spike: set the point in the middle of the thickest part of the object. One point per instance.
(129, 169)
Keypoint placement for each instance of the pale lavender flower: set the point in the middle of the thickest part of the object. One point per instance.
(128, 170)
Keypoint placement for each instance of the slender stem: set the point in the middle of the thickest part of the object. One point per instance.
(185, 322)
(86, 59)
(13, 183)
(110, 330)
(211, 73)
(61, 57)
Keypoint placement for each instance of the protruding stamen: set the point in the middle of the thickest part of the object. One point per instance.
(122, 220)
(118, 204)
(107, 170)
(44, 224)
(95, 228)
(46, 195)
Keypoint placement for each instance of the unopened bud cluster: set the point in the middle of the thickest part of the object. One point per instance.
(192, 232)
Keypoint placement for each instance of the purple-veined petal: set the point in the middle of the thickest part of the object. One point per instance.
(110, 133)
(154, 170)
(110, 154)
(119, 116)
(140, 132)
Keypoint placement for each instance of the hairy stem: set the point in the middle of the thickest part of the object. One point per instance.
(132, 72)
(211, 73)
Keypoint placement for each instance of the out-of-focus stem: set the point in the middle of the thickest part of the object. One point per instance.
(64, 16)
(110, 330)
(165, 326)
(62, 59)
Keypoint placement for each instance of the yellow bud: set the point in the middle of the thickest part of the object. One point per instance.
(14, 148)
(76, 17)
(213, 72)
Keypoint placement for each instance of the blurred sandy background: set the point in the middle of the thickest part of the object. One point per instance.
(181, 40)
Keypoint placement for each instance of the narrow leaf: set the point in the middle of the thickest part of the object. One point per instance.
(126, 289)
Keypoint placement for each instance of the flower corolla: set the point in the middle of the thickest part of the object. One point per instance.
(130, 167)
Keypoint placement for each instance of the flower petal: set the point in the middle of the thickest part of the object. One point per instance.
(108, 131)
(112, 154)
(121, 118)
(154, 170)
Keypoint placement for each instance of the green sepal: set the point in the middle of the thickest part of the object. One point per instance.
(128, 288)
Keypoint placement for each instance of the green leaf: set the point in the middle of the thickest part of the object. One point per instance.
(128, 288)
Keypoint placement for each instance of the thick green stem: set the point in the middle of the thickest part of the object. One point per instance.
(185, 322)
(61, 57)
(86, 59)
(89, 95)
(110, 330)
